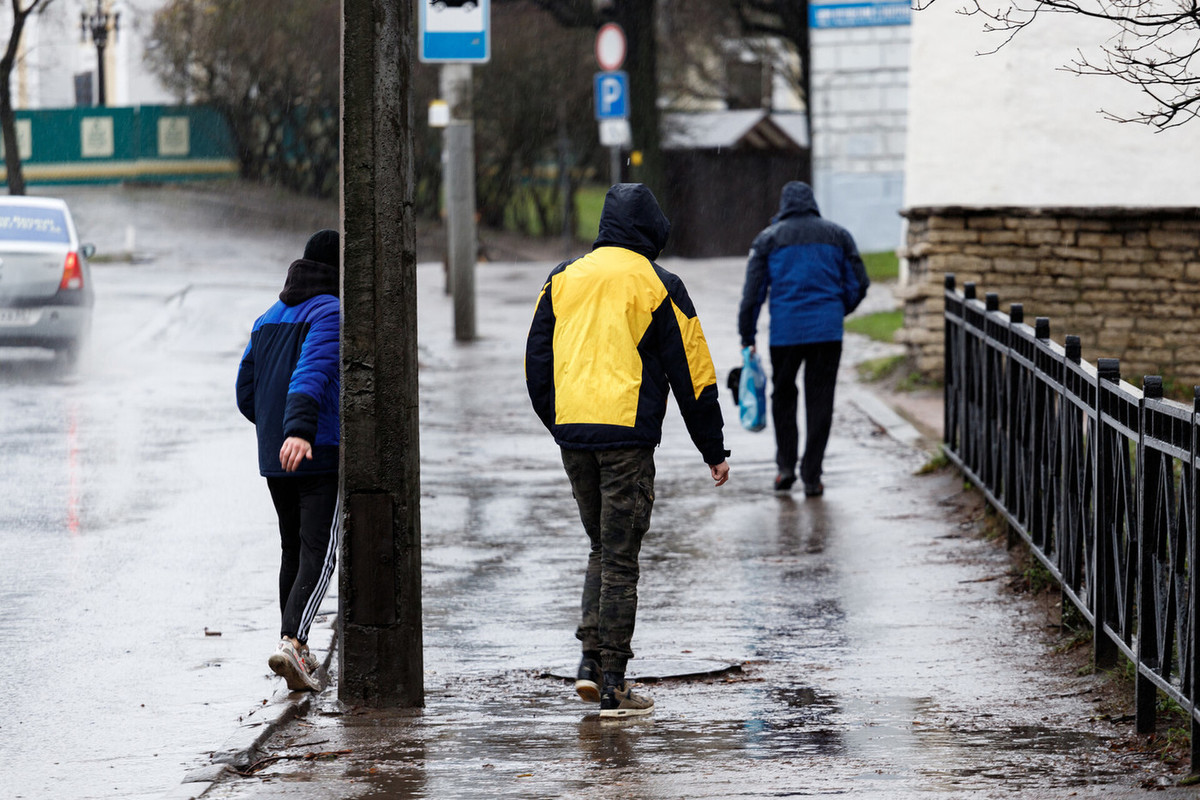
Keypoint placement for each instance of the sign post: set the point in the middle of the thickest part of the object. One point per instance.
(612, 95)
(457, 34)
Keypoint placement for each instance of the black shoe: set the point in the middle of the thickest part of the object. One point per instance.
(620, 701)
(588, 680)
(784, 482)
(814, 489)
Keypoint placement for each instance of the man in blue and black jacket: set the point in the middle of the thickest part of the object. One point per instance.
(812, 272)
(288, 386)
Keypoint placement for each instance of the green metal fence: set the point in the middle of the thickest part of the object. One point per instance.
(140, 143)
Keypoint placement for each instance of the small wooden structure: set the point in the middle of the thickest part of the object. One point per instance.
(725, 170)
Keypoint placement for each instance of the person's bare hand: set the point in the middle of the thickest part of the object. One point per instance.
(294, 451)
(720, 472)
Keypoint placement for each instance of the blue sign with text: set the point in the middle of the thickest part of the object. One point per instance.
(860, 15)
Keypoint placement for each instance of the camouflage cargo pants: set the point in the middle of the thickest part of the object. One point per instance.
(615, 493)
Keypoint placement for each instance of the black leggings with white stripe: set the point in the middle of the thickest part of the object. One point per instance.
(308, 532)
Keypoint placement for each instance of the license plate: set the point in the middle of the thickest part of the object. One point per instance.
(18, 316)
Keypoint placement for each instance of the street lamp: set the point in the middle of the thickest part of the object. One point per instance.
(98, 23)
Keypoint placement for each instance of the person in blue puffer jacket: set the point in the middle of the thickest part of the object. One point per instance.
(812, 272)
(288, 385)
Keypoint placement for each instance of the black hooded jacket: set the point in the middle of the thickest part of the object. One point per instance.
(613, 332)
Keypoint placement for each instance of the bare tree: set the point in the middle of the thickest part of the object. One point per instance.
(272, 68)
(787, 20)
(1154, 45)
(638, 19)
(8, 116)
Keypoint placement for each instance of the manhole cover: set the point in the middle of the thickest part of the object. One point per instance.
(655, 669)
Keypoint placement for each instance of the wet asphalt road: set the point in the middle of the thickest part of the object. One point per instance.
(876, 655)
(133, 516)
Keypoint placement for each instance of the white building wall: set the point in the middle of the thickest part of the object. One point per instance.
(860, 97)
(1013, 128)
(54, 51)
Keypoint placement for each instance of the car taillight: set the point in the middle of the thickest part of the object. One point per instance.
(72, 274)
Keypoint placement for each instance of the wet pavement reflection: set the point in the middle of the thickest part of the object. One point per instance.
(870, 657)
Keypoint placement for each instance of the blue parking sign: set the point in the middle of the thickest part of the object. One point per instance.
(612, 95)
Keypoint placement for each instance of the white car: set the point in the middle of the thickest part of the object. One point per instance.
(46, 292)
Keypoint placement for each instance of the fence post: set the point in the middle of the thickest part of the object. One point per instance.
(1038, 518)
(1104, 649)
(968, 441)
(1193, 666)
(992, 451)
(1012, 495)
(950, 363)
(1069, 562)
(1147, 480)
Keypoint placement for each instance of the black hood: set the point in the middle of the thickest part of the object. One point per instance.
(796, 200)
(632, 219)
(307, 279)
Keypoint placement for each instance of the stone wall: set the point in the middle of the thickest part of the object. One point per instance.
(1126, 281)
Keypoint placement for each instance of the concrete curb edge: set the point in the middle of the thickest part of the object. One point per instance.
(240, 748)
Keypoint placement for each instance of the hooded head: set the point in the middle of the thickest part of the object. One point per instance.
(317, 272)
(325, 247)
(796, 200)
(632, 219)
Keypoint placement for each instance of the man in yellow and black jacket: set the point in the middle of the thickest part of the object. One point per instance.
(612, 333)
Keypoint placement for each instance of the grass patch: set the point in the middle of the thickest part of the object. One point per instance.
(876, 369)
(881, 326)
(883, 266)
(935, 463)
(589, 201)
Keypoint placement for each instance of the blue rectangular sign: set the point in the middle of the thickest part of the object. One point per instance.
(860, 15)
(455, 31)
(612, 95)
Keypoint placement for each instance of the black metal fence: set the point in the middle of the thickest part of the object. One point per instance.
(1098, 477)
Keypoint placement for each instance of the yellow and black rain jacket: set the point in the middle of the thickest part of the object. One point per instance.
(613, 332)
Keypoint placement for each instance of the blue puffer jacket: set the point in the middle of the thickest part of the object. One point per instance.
(288, 383)
(810, 268)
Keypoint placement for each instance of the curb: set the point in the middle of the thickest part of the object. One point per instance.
(240, 749)
(884, 416)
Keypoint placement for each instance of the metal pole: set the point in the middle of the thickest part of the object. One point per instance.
(461, 245)
(100, 92)
(564, 178)
(614, 164)
(382, 663)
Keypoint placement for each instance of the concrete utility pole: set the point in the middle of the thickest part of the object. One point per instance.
(461, 239)
(382, 662)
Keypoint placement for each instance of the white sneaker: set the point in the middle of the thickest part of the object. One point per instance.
(309, 660)
(288, 664)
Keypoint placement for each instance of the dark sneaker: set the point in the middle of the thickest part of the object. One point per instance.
(588, 680)
(814, 489)
(784, 482)
(287, 664)
(621, 701)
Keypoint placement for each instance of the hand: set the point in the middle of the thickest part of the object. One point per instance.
(720, 472)
(294, 451)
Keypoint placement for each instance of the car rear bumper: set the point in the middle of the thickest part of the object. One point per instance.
(44, 326)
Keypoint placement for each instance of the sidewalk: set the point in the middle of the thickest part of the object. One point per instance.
(859, 643)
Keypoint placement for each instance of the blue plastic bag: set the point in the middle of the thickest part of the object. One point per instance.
(752, 392)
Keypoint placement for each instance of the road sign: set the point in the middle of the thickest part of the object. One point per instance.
(612, 95)
(615, 133)
(610, 46)
(455, 31)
